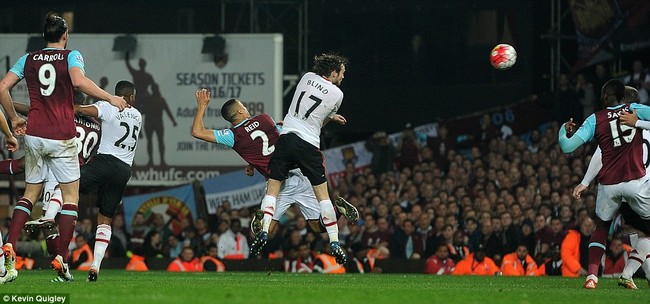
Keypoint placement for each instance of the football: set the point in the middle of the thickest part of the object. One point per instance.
(503, 56)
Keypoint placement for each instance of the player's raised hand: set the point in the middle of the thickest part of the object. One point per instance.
(577, 191)
(11, 143)
(570, 127)
(340, 119)
(19, 125)
(628, 119)
(119, 102)
(203, 97)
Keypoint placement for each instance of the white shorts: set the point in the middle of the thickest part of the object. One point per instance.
(60, 156)
(635, 192)
(297, 190)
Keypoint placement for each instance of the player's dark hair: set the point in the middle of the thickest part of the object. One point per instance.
(124, 88)
(79, 97)
(614, 87)
(227, 110)
(325, 64)
(54, 28)
(631, 94)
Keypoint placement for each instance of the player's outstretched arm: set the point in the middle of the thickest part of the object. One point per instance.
(595, 165)
(87, 86)
(198, 128)
(21, 108)
(86, 110)
(18, 123)
(570, 141)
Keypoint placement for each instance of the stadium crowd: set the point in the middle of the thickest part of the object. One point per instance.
(496, 203)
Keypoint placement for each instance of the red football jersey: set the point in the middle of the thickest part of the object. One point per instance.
(255, 140)
(51, 112)
(89, 132)
(622, 148)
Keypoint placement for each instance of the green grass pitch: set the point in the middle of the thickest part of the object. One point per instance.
(116, 287)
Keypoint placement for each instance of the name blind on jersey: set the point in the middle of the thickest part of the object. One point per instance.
(49, 58)
(318, 86)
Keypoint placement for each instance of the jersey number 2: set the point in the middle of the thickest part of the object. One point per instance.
(614, 127)
(266, 150)
(119, 143)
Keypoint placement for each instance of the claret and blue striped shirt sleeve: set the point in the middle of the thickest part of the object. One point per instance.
(76, 60)
(19, 67)
(584, 134)
(225, 137)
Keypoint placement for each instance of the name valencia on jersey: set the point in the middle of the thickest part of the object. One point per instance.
(128, 114)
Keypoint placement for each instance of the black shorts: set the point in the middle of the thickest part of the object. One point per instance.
(108, 175)
(292, 151)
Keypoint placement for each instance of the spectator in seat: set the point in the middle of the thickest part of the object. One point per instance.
(476, 264)
(304, 260)
(406, 243)
(211, 261)
(186, 262)
(232, 243)
(615, 259)
(439, 263)
(519, 263)
(82, 257)
(326, 263)
(552, 266)
(457, 249)
(575, 248)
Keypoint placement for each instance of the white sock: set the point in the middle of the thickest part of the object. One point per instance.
(3, 271)
(268, 207)
(54, 206)
(637, 257)
(328, 216)
(102, 239)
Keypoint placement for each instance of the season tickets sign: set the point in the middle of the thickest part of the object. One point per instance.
(167, 70)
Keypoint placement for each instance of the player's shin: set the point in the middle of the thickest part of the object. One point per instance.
(268, 207)
(328, 216)
(637, 257)
(597, 248)
(20, 216)
(102, 239)
(67, 223)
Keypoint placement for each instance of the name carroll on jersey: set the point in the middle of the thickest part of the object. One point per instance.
(48, 57)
